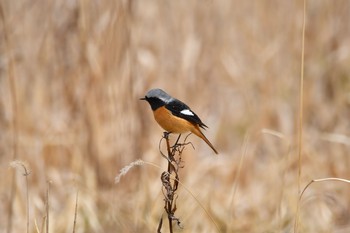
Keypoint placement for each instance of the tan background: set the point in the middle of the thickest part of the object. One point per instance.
(78, 69)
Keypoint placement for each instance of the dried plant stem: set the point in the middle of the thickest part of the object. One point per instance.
(301, 99)
(201, 205)
(300, 123)
(75, 211)
(238, 173)
(170, 181)
(170, 184)
(19, 164)
(296, 222)
(47, 206)
(282, 172)
(168, 202)
(12, 88)
(26, 174)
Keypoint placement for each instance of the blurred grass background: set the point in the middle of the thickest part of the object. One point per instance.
(78, 68)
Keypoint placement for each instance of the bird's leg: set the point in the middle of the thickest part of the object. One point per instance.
(177, 140)
(176, 145)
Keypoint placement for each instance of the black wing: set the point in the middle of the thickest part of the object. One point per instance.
(180, 109)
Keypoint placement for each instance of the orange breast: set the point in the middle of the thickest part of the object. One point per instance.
(171, 123)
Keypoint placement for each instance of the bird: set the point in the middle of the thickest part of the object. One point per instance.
(174, 116)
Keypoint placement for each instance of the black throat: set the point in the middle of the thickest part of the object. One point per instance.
(155, 103)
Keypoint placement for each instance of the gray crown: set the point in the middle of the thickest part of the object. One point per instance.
(160, 94)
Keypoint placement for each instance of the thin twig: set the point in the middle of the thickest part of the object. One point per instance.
(200, 204)
(170, 185)
(296, 222)
(160, 225)
(168, 203)
(161, 152)
(75, 211)
(238, 172)
(47, 206)
(26, 173)
(301, 99)
(12, 87)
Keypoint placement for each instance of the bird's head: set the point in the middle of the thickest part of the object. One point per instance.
(157, 98)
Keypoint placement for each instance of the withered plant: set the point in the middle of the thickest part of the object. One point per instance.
(170, 178)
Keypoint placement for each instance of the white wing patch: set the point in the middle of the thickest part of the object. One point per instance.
(187, 112)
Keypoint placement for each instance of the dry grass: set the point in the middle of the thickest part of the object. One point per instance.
(71, 74)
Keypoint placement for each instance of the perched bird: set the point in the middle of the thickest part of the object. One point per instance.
(174, 116)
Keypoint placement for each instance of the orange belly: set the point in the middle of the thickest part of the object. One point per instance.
(172, 123)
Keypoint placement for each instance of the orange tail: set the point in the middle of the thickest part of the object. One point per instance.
(199, 133)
